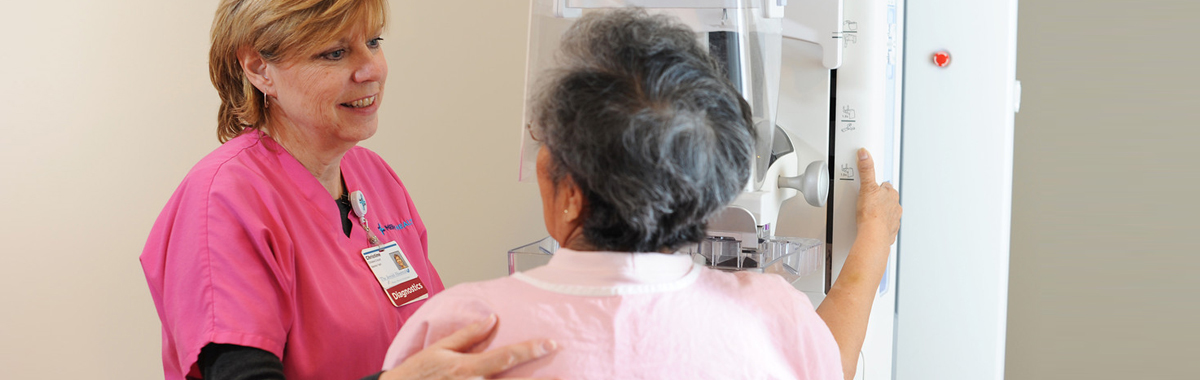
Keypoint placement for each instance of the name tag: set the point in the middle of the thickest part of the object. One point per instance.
(395, 274)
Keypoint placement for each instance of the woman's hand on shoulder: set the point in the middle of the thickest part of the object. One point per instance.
(447, 359)
(878, 205)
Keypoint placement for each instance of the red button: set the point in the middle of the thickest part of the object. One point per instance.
(941, 59)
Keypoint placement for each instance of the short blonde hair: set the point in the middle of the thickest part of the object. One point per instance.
(279, 30)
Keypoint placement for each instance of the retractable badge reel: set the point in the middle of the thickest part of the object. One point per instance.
(391, 267)
(358, 202)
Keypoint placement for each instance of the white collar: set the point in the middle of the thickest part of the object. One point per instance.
(612, 273)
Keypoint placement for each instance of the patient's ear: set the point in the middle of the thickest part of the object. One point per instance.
(566, 226)
(574, 202)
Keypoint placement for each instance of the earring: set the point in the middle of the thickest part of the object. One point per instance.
(266, 101)
(564, 211)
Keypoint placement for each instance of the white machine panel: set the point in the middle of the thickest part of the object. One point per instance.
(867, 115)
(957, 196)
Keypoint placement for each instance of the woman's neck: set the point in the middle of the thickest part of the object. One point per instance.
(322, 159)
(575, 241)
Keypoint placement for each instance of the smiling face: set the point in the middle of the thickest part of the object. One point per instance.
(330, 97)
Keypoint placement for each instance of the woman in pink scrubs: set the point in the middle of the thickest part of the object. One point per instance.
(643, 141)
(259, 265)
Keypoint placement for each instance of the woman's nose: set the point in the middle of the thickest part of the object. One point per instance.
(372, 68)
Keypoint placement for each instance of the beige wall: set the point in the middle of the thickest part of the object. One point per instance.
(104, 105)
(1103, 281)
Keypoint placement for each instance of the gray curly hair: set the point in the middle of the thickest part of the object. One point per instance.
(647, 125)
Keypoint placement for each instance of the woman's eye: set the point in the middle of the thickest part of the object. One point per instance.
(335, 55)
(374, 42)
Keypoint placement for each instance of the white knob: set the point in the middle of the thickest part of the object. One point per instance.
(814, 183)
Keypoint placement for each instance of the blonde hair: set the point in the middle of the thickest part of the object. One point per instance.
(278, 30)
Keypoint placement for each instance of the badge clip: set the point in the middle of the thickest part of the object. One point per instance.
(358, 202)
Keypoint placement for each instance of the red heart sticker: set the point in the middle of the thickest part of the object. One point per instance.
(941, 59)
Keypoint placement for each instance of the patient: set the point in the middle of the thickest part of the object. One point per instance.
(642, 141)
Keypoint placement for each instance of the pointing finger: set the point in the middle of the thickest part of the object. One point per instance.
(866, 171)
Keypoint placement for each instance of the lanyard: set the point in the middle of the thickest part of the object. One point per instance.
(358, 203)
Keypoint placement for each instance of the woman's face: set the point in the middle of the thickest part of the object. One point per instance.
(331, 97)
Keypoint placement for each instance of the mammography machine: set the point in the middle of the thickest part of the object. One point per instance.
(824, 78)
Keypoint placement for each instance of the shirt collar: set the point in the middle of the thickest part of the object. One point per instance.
(608, 269)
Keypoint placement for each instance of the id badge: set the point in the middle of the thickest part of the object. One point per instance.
(395, 274)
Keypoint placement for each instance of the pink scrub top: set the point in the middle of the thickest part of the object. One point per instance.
(250, 251)
(639, 316)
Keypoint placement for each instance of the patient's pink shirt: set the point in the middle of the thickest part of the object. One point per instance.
(638, 316)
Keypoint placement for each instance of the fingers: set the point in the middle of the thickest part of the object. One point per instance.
(466, 337)
(887, 186)
(866, 171)
(493, 361)
(501, 359)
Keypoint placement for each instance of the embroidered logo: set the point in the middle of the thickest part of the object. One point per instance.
(384, 228)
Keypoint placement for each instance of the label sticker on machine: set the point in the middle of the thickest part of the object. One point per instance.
(395, 274)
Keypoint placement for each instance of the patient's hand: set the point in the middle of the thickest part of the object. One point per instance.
(446, 359)
(878, 205)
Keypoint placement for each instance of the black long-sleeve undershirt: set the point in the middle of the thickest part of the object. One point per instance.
(233, 362)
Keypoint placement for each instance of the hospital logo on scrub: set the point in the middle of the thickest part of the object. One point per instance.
(384, 228)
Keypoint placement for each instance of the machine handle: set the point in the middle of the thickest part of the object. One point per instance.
(814, 183)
